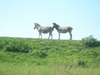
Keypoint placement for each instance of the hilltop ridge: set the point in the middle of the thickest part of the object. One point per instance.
(46, 52)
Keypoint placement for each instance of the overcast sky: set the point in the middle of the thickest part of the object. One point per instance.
(18, 16)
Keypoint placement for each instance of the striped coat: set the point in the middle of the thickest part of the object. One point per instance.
(43, 30)
(63, 30)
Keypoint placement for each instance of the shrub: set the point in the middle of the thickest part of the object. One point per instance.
(38, 53)
(90, 41)
(81, 63)
(17, 46)
(3, 42)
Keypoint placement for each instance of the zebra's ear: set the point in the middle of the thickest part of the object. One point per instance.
(53, 24)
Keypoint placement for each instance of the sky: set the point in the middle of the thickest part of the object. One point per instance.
(17, 17)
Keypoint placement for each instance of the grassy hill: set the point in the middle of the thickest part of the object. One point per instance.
(48, 57)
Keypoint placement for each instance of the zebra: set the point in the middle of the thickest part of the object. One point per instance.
(43, 30)
(63, 30)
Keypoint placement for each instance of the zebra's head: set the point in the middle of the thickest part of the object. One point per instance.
(36, 25)
(55, 25)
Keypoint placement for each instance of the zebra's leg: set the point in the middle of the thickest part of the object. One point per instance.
(70, 35)
(49, 35)
(39, 35)
(59, 36)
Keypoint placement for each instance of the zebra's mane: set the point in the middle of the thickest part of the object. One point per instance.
(38, 24)
(57, 24)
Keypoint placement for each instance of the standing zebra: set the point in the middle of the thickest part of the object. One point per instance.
(43, 30)
(63, 30)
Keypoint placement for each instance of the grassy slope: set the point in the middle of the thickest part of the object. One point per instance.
(47, 57)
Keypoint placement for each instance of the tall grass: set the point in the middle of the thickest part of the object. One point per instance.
(27, 69)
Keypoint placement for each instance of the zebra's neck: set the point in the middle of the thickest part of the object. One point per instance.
(57, 28)
(38, 26)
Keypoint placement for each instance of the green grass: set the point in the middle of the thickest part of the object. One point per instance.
(27, 69)
(27, 56)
